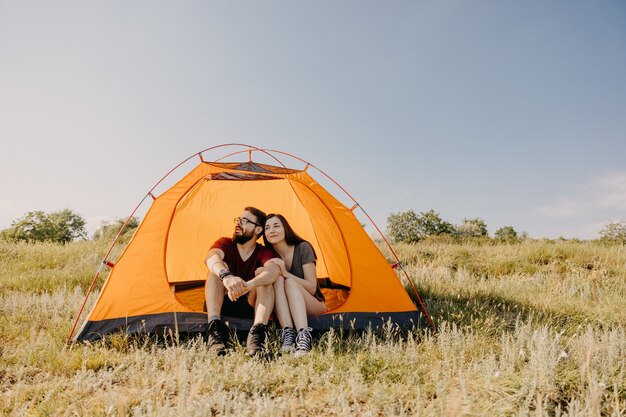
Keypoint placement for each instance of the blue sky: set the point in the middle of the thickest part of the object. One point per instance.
(514, 112)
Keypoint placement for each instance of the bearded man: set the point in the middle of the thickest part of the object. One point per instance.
(232, 289)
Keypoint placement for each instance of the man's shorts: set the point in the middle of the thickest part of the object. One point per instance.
(239, 308)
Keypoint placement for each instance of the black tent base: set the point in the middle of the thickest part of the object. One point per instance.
(189, 324)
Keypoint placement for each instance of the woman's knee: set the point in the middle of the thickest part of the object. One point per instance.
(290, 284)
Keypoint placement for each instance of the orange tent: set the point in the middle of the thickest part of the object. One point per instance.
(157, 284)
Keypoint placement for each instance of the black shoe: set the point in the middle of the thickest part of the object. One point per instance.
(256, 339)
(217, 337)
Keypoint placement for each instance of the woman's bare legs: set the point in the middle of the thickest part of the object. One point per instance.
(281, 305)
(301, 304)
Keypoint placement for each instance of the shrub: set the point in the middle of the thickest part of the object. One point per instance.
(108, 231)
(408, 227)
(614, 232)
(506, 234)
(472, 228)
(403, 227)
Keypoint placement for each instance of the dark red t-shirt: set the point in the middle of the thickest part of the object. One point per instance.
(239, 267)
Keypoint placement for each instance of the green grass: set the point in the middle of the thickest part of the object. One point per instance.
(529, 329)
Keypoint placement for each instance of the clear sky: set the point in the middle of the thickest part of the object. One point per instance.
(511, 111)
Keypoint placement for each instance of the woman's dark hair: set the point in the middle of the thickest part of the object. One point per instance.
(291, 237)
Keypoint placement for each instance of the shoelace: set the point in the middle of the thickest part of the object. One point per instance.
(304, 341)
(287, 336)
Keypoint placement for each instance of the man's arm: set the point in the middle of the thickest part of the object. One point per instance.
(267, 276)
(233, 284)
(215, 261)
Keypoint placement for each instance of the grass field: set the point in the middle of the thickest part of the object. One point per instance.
(528, 329)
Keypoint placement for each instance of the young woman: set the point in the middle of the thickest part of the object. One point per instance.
(297, 294)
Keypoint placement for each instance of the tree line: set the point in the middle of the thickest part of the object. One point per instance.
(62, 227)
(66, 226)
(409, 227)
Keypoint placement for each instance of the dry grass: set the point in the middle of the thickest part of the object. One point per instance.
(532, 329)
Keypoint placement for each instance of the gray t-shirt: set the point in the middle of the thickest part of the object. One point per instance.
(303, 254)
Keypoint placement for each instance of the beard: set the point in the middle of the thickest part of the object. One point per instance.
(243, 238)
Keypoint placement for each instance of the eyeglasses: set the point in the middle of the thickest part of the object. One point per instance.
(243, 221)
